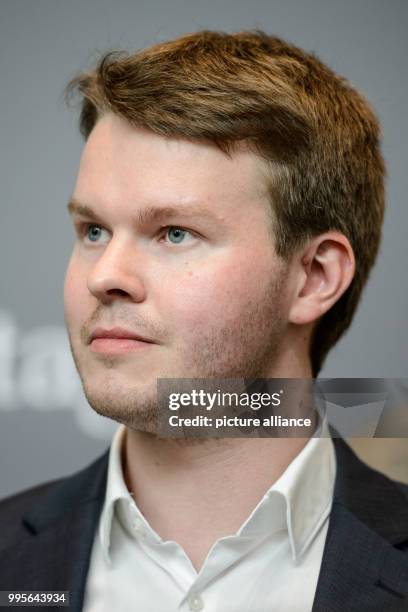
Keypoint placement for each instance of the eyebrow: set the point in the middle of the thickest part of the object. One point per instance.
(150, 214)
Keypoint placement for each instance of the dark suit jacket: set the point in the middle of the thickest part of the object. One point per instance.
(46, 536)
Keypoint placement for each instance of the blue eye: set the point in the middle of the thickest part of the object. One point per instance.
(93, 233)
(176, 234)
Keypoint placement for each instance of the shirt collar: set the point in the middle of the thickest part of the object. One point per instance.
(116, 489)
(298, 501)
(307, 486)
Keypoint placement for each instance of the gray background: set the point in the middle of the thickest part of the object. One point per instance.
(46, 428)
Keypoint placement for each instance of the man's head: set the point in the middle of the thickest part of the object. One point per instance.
(272, 163)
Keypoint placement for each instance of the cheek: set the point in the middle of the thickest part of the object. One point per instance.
(74, 292)
(212, 296)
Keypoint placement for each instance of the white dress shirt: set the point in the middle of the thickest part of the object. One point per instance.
(271, 563)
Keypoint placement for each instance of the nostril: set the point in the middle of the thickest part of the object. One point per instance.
(119, 292)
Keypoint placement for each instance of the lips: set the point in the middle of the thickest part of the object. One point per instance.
(118, 333)
(117, 340)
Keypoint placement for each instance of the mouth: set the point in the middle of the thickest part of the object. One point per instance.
(116, 341)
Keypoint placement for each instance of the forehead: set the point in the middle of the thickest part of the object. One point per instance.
(123, 165)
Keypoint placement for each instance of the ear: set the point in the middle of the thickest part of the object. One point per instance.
(325, 268)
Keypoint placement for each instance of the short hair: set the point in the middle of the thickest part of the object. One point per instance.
(318, 134)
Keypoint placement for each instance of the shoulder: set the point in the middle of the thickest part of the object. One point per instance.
(16, 504)
(32, 508)
(375, 499)
(15, 507)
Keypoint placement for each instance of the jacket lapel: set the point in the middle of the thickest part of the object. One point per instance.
(54, 553)
(362, 567)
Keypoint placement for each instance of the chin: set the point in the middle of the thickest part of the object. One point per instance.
(133, 406)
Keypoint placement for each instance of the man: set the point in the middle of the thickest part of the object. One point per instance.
(228, 210)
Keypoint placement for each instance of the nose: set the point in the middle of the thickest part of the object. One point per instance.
(116, 274)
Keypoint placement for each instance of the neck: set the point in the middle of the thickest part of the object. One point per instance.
(196, 491)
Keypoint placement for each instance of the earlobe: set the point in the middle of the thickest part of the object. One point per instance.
(326, 269)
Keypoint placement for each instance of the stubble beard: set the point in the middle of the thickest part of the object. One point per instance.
(244, 347)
